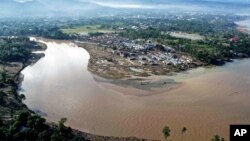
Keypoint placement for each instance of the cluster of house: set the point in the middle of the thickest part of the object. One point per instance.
(140, 27)
(145, 54)
(137, 47)
(148, 55)
(121, 43)
(154, 58)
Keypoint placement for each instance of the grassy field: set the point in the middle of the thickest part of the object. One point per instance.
(86, 29)
(1, 68)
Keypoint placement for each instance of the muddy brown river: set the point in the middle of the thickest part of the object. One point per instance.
(205, 100)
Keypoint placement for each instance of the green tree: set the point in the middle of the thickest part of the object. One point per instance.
(2, 131)
(183, 131)
(2, 97)
(61, 123)
(22, 97)
(216, 137)
(62, 132)
(166, 132)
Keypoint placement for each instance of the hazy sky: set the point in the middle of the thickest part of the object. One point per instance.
(245, 1)
(154, 3)
(72, 7)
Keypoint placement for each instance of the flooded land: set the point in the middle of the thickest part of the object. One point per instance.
(202, 99)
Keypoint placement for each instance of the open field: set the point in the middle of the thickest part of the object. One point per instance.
(86, 29)
(186, 35)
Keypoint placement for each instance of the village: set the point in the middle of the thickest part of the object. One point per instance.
(134, 57)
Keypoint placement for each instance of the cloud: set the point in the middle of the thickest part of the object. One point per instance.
(133, 5)
(123, 5)
(23, 1)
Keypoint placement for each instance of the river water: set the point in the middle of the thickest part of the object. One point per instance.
(206, 100)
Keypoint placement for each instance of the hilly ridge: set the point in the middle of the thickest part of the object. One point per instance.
(15, 8)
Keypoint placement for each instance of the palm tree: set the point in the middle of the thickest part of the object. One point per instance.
(216, 137)
(183, 131)
(61, 123)
(166, 132)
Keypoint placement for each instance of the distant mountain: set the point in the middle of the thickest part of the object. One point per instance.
(174, 1)
(230, 6)
(245, 3)
(10, 8)
(13, 8)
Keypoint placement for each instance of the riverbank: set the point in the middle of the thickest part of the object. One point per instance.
(11, 101)
(10, 80)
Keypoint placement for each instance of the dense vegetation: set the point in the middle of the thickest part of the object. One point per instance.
(14, 53)
(28, 126)
(32, 27)
(16, 49)
(222, 41)
(214, 49)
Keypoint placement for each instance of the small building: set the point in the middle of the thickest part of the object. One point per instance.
(234, 39)
(143, 62)
(153, 63)
(124, 54)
